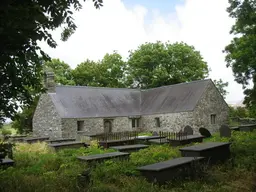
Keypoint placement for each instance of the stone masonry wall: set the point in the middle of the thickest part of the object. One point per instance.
(211, 103)
(46, 121)
(171, 122)
(93, 126)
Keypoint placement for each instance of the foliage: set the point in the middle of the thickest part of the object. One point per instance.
(23, 120)
(109, 72)
(38, 166)
(158, 64)
(5, 148)
(221, 86)
(6, 132)
(238, 112)
(22, 25)
(241, 51)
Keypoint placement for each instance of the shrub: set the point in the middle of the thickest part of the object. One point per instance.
(6, 132)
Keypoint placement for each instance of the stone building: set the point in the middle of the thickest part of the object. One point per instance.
(72, 111)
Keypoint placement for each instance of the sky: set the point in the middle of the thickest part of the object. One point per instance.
(122, 25)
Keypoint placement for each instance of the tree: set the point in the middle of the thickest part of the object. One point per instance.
(242, 49)
(62, 71)
(221, 87)
(158, 64)
(87, 74)
(108, 72)
(22, 25)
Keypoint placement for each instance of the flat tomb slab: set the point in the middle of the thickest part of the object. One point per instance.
(103, 156)
(186, 140)
(110, 143)
(6, 162)
(130, 147)
(214, 151)
(35, 139)
(158, 141)
(205, 146)
(61, 140)
(167, 170)
(146, 138)
(249, 127)
(67, 144)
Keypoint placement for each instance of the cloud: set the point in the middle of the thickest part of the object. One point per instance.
(203, 24)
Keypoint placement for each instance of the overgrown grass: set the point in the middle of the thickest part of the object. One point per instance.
(39, 169)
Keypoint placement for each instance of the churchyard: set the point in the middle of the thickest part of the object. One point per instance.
(131, 161)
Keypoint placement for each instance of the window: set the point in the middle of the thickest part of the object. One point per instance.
(135, 123)
(80, 125)
(157, 122)
(213, 118)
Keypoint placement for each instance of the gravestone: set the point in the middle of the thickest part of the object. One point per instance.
(154, 133)
(205, 132)
(225, 131)
(188, 130)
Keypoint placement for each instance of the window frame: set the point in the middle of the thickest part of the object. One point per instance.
(158, 123)
(80, 125)
(213, 119)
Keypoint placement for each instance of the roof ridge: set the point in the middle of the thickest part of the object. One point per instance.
(177, 84)
(91, 87)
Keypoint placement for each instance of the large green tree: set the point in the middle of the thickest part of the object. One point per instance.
(22, 25)
(108, 72)
(241, 52)
(158, 64)
(221, 85)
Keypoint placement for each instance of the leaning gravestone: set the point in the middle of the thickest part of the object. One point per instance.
(225, 131)
(188, 130)
(205, 132)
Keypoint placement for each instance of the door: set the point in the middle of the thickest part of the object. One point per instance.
(107, 126)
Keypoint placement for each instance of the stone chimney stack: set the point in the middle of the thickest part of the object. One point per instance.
(49, 82)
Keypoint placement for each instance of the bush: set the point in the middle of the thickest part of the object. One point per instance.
(6, 132)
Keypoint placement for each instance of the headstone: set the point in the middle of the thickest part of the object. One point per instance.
(154, 133)
(225, 131)
(188, 130)
(205, 132)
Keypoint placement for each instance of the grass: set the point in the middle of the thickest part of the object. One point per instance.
(39, 169)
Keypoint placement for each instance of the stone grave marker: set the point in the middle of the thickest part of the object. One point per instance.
(225, 131)
(205, 132)
(154, 133)
(188, 130)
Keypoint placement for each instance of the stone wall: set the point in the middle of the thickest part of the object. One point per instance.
(171, 122)
(46, 121)
(93, 126)
(211, 103)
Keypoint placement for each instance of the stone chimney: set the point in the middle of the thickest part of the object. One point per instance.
(49, 82)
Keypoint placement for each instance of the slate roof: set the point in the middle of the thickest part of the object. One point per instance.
(83, 101)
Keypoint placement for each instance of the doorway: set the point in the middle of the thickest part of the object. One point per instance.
(107, 126)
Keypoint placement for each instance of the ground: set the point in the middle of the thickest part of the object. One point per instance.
(38, 168)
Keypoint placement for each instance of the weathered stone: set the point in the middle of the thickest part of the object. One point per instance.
(47, 122)
(225, 131)
(188, 130)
